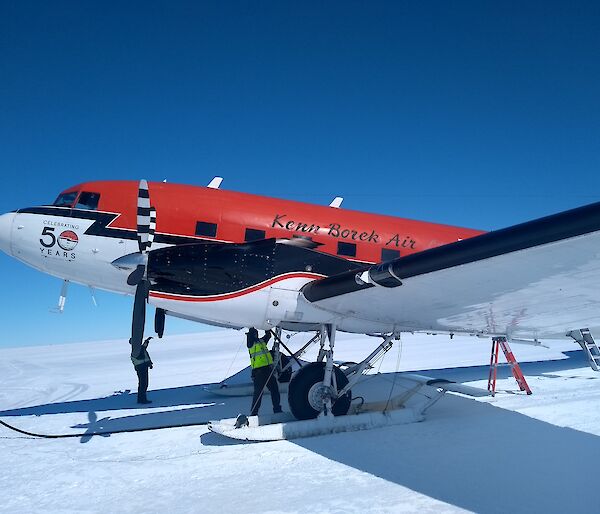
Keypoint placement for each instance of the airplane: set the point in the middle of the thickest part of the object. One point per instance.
(238, 260)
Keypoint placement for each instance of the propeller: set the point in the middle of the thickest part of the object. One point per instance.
(146, 227)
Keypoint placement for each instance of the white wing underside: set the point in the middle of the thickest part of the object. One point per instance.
(539, 292)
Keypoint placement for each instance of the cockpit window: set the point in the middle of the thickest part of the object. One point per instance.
(88, 201)
(66, 199)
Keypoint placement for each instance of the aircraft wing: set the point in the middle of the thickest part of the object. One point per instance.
(539, 279)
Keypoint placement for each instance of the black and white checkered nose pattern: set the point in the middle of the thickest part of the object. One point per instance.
(146, 218)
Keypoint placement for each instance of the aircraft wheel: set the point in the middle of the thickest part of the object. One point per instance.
(306, 393)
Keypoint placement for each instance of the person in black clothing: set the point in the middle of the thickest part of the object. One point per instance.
(263, 371)
(141, 363)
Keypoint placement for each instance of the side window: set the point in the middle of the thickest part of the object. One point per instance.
(66, 199)
(346, 249)
(387, 254)
(253, 234)
(206, 229)
(88, 201)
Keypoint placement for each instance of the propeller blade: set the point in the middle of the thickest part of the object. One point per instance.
(136, 276)
(146, 227)
(139, 317)
(143, 216)
(152, 228)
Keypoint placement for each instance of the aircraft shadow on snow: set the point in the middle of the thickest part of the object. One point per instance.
(475, 456)
(198, 407)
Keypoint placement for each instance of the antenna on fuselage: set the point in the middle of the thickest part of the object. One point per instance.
(215, 183)
(336, 202)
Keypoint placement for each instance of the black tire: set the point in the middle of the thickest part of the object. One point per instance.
(302, 382)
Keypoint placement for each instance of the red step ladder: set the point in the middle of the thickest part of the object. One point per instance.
(502, 342)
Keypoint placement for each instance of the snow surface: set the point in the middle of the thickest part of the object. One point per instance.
(511, 453)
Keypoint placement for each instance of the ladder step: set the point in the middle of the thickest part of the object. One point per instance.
(588, 345)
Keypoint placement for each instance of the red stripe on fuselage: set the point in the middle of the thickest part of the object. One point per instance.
(234, 294)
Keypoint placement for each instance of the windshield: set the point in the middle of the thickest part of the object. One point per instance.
(88, 201)
(66, 199)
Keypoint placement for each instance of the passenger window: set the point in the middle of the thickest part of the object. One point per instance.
(66, 199)
(206, 229)
(347, 249)
(387, 254)
(88, 201)
(253, 234)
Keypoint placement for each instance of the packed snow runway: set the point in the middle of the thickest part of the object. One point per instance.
(511, 453)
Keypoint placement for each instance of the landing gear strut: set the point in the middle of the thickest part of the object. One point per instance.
(321, 388)
(308, 396)
(314, 388)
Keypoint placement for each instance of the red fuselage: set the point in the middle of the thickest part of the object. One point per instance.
(220, 215)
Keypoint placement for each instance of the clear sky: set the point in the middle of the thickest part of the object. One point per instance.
(476, 113)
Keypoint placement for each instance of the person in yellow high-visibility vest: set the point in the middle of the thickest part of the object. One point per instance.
(263, 372)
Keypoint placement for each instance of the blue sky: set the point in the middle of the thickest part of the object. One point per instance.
(475, 113)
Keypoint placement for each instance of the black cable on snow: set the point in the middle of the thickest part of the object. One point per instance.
(101, 432)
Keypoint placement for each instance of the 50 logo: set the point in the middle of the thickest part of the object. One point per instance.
(67, 241)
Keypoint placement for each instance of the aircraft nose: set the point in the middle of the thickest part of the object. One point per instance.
(6, 223)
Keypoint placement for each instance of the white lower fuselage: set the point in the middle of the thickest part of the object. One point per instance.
(36, 241)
